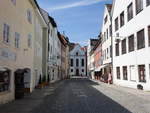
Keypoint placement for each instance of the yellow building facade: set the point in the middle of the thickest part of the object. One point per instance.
(18, 19)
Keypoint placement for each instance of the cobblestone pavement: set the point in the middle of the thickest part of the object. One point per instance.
(80, 96)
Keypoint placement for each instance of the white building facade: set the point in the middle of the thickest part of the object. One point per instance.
(90, 57)
(131, 43)
(54, 52)
(77, 61)
(106, 41)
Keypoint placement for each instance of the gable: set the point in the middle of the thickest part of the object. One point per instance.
(77, 49)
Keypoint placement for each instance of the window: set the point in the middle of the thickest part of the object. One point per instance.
(149, 35)
(130, 12)
(29, 16)
(131, 43)
(17, 40)
(105, 19)
(82, 62)
(77, 53)
(107, 34)
(83, 70)
(6, 33)
(110, 30)
(122, 19)
(4, 81)
(107, 53)
(139, 6)
(141, 72)
(118, 72)
(72, 62)
(29, 41)
(77, 62)
(117, 49)
(147, 2)
(125, 76)
(140, 39)
(104, 36)
(71, 70)
(110, 51)
(13, 1)
(124, 46)
(116, 24)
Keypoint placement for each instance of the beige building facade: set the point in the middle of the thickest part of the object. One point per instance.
(17, 45)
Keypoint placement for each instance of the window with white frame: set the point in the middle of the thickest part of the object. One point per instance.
(147, 2)
(118, 72)
(140, 39)
(6, 33)
(116, 24)
(124, 46)
(130, 12)
(141, 72)
(125, 76)
(71, 60)
(117, 49)
(149, 35)
(110, 30)
(131, 43)
(17, 40)
(107, 33)
(139, 6)
(122, 19)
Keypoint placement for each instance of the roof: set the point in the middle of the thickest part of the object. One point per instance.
(97, 44)
(109, 7)
(71, 46)
(45, 15)
(52, 21)
(62, 38)
(93, 42)
(84, 48)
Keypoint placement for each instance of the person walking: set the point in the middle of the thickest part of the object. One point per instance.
(109, 78)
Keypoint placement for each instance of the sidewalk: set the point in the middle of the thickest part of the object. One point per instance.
(30, 101)
(136, 92)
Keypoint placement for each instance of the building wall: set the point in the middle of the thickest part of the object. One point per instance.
(81, 55)
(98, 57)
(136, 57)
(17, 56)
(106, 38)
(38, 45)
(63, 61)
(53, 53)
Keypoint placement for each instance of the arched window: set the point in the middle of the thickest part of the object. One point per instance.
(77, 53)
(4, 79)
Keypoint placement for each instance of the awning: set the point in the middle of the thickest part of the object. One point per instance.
(3, 69)
(100, 67)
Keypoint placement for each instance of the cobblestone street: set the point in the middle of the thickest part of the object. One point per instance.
(81, 96)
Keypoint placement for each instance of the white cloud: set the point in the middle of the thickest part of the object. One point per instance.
(75, 4)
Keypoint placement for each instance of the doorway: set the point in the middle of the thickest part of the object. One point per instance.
(77, 72)
(132, 73)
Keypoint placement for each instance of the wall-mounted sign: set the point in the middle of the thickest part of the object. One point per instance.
(6, 54)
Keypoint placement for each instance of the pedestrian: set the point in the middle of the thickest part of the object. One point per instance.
(109, 78)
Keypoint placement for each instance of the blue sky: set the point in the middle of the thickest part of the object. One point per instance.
(79, 19)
